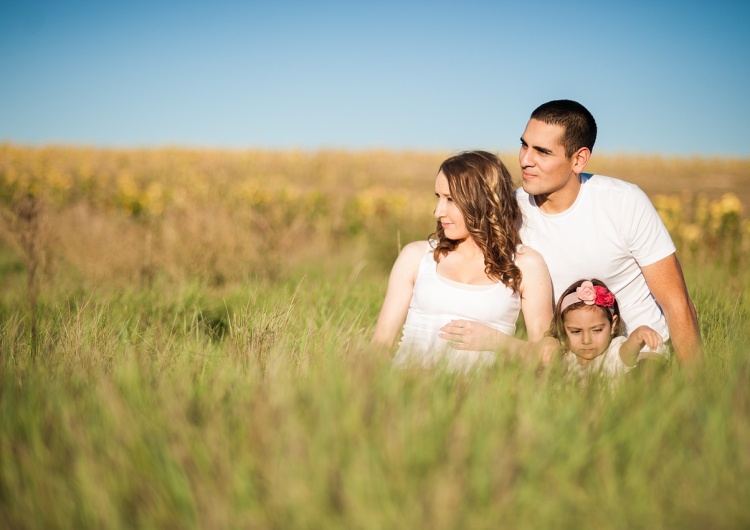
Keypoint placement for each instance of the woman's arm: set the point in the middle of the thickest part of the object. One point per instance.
(536, 293)
(398, 295)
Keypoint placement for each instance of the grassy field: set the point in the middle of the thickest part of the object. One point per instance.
(183, 344)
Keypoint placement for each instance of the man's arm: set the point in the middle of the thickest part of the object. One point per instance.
(667, 283)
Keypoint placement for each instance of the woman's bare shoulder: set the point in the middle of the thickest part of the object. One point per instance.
(421, 245)
(415, 248)
(407, 263)
(413, 252)
(527, 257)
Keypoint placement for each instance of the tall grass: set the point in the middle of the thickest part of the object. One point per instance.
(190, 390)
(143, 413)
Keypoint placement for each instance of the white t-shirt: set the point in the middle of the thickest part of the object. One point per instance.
(609, 233)
(436, 301)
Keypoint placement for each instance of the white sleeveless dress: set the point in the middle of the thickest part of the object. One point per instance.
(436, 301)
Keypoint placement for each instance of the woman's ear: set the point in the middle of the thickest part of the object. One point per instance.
(614, 323)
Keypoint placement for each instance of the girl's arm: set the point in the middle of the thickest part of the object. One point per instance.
(641, 336)
(398, 295)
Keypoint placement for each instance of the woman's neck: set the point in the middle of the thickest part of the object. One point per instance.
(465, 264)
(469, 248)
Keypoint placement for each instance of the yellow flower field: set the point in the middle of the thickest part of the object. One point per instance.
(125, 214)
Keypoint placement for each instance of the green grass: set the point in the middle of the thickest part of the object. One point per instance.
(258, 405)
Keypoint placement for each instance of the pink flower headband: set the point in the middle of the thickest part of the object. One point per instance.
(589, 294)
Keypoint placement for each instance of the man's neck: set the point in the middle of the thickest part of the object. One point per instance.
(560, 200)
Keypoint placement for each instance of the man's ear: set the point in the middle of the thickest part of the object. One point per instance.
(580, 159)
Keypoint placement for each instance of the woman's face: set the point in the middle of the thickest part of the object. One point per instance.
(447, 211)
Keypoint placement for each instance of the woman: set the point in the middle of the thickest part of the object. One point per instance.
(473, 269)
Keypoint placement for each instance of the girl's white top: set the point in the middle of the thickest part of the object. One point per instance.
(436, 301)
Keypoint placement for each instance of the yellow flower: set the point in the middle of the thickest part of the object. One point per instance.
(730, 204)
(691, 232)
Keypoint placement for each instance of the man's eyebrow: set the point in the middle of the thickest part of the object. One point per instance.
(537, 148)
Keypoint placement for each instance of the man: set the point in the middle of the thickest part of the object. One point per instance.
(592, 226)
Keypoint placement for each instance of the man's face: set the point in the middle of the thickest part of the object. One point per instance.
(544, 166)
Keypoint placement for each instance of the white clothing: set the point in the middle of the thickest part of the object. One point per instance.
(436, 301)
(608, 364)
(609, 233)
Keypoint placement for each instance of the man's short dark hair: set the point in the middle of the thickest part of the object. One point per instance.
(577, 122)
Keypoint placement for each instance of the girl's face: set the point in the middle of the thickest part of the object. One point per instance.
(589, 332)
(447, 211)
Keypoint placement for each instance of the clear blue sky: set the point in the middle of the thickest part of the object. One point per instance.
(668, 78)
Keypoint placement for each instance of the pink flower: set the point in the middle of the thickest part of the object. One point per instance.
(589, 294)
(603, 297)
(586, 293)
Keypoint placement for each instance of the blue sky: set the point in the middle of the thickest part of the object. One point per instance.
(660, 78)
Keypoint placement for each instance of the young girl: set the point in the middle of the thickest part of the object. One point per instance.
(472, 270)
(588, 326)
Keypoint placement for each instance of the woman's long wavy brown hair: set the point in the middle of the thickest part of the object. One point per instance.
(482, 189)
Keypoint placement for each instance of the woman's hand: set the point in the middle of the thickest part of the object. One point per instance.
(546, 349)
(470, 335)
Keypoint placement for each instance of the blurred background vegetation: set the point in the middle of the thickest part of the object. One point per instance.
(127, 216)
